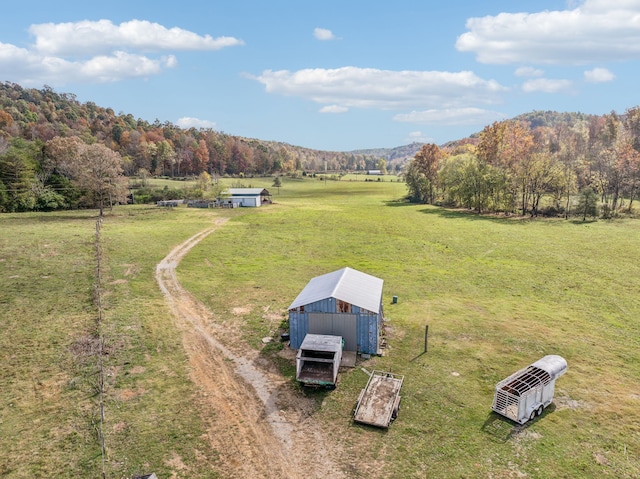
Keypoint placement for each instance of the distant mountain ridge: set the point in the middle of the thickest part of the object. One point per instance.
(43, 114)
(398, 153)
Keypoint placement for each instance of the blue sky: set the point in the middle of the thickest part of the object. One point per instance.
(335, 74)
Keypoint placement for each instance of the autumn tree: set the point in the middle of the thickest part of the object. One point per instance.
(587, 203)
(508, 146)
(544, 176)
(568, 146)
(201, 156)
(467, 181)
(94, 169)
(62, 154)
(628, 168)
(422, 174)
(99, 175)
(277, 182)
(165, 157)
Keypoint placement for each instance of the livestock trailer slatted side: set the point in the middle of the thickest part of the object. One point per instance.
(525, 380)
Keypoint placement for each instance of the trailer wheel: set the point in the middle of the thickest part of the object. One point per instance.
(539, 411)
(396, 409)
(532, 416)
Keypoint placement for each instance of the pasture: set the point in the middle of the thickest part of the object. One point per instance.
(497, 294)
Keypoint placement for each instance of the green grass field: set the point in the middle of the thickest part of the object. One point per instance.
(496, 293)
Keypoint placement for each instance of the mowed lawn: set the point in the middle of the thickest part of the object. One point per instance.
(496, 293)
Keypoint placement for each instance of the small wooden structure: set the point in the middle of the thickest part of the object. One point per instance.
(523, 395)
(318, 360)
(379, 402)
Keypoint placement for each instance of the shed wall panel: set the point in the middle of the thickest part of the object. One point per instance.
(344, 325)
(367, 326)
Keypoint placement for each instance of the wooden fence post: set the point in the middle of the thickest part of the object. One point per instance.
(426, 334)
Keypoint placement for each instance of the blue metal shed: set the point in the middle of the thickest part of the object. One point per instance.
(345, 303)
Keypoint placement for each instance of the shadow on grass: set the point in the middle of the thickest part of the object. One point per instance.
(500, 429)
(418, 356)
(399, 202)
(48, 218)
(471, 215)
(474, 216)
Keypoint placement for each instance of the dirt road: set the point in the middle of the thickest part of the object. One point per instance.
(256, 421)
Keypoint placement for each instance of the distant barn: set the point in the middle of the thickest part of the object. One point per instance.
(249, 196)
(345, 303)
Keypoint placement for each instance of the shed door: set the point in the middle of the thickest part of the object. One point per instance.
(345, 325)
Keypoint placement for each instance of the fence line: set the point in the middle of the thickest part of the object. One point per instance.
(98, 301)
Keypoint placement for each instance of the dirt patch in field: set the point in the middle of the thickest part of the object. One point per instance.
(128, 394)
(241, 311)
(256, 421)
(119, 427)
(565, 402)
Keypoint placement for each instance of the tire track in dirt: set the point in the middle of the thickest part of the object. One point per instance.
(256, 422)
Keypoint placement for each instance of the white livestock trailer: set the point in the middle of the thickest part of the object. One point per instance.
(523, 395)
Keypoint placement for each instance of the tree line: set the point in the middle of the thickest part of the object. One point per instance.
(32, 179)
(582, 165)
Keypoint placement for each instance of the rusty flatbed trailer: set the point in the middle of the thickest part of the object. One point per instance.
(379, 402)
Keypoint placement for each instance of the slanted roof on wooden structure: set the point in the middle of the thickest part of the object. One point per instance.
(249, 192)
(347, 285)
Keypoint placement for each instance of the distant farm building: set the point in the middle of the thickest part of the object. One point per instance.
(170, 203)
(251, 197)
(345, 303)
(374, 172)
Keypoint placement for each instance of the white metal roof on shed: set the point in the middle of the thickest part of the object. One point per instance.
(248, 191)
(346, 284)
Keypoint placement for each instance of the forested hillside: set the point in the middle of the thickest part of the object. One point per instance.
(31, 177)
(541, 162)
(56, 152)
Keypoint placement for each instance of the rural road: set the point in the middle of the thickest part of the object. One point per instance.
(255, 420)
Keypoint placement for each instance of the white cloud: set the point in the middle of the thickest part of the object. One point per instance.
(598, 75)
(529, 72)
(546, 85)
(120, 65)
(354, 87)
(453, 116)
(33, 69)
(595, 31)
(333, 109)
(188, 122)
(99, 52)
(418, 137)
(92, 37)
(323, 34)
